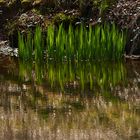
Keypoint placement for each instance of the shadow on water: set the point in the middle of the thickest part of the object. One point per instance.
(69, 100)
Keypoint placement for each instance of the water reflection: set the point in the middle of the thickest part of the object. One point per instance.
(78, 75)
(85, 101)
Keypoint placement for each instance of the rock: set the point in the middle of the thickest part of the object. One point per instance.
(127, 15)
(132, 57)
(25, 22)
(37, 2)
(5, 49)
(30, 19)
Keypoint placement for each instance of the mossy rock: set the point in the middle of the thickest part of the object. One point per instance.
(2, 2)
(7, 3)
(63, 18)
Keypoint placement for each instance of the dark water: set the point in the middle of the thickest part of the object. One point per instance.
(69, 101)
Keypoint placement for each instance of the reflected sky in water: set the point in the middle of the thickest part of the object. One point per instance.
(72, 101)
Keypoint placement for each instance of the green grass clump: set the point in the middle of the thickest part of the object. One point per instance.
(30, 44)
(102, 42)
(25, 46)
(50, 41)
(38, 43)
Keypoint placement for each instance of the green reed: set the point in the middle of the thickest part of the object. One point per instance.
(21, 46)
(30, 44)
(38, 43)
(60, 43)
(25, 46)
(70, 44)
(50, 41)
(102, 42)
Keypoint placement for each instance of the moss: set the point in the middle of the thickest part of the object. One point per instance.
(2, 2)
(62, 17)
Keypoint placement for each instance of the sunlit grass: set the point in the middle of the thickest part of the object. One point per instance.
(102, 42)
(50, 41)
(38, 43)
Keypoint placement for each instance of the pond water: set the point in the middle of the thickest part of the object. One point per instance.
(69, 101)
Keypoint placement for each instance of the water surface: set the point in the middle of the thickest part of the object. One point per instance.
(69, 101)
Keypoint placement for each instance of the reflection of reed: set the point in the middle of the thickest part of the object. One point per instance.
(83, 75)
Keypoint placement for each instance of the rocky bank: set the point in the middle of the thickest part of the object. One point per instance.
(25, 14)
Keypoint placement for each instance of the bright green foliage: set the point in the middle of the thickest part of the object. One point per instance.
(21, 46)
(25, 46)
(102, 42)
(50, 41)
(38, 43)
(60, 43)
